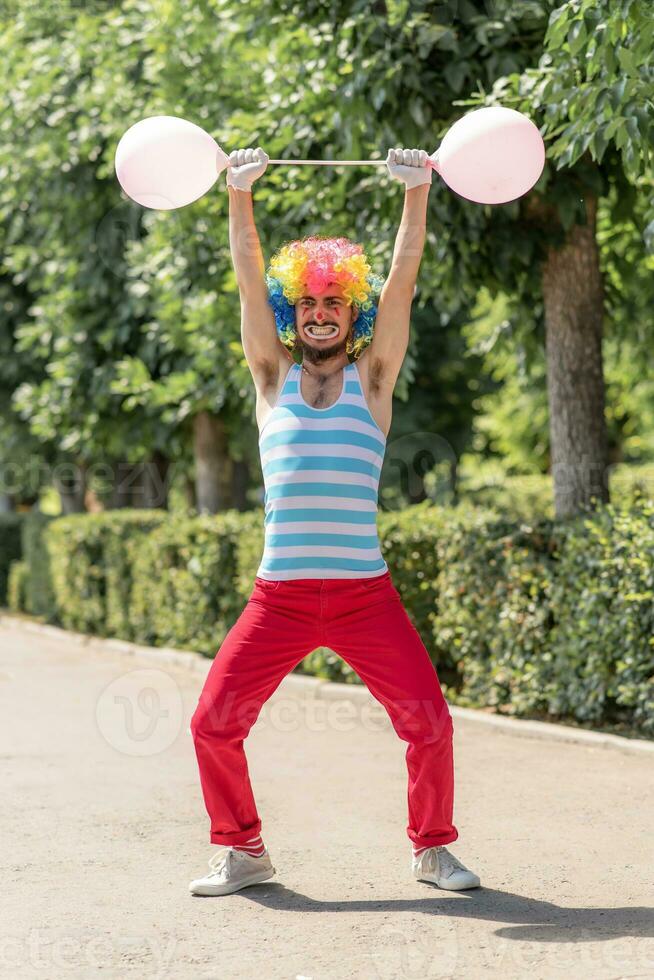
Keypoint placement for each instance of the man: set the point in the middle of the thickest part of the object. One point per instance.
(322, 579)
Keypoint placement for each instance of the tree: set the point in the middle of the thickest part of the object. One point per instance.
(594, 89)
(117, 372)
(129, 319)
(330, 61)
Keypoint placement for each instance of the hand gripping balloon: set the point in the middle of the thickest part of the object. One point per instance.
(490, 156)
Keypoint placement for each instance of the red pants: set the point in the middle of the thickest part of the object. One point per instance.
(362, 620)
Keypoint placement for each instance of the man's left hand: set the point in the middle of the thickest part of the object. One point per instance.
(409, 166)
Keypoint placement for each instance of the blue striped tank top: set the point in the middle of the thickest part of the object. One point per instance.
(321, 469)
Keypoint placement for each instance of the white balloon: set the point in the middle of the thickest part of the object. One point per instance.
(166, 162)
(491, 156)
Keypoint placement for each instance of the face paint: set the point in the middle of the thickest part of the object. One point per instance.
(309, 266)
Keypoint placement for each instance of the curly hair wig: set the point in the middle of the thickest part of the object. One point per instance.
(310, 264)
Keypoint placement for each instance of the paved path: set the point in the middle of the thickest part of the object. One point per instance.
(103, 825)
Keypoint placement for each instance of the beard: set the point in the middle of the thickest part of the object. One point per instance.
(316, 355)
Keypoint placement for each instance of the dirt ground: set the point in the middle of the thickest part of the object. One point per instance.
(103, 826)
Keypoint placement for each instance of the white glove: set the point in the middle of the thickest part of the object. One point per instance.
(409, 166)
(245, 166)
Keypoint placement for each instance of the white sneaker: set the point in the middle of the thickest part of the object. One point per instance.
(232, 870)
(437, 865)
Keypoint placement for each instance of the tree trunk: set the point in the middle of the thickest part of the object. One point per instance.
(155, 483)
(189, 492)
(92, 502)
(454, 479)
(70, 482)
(213, 467)
(574, 309)
(7, 503)
(125, 479)
(146, 483)
(240, 483)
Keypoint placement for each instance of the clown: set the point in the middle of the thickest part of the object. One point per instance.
(334, 270)
(322, 579)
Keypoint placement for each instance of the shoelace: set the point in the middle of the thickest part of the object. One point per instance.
(447, 863)
(220, 862)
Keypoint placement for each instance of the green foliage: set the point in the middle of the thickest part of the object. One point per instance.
(39, 597)
(626, 270)
(148, 576)
(120, 323)
(128, 532)
(524, 496)
(632, 485)
(76, 274)
(512, 420)
(597, 83)
(493, 615)
(76, 546)
(528, 496)
(17, 586)
(552, 619)
(601, 651)
(410, 540)
(89, 571)
(184, 586)
(590, 89)
(10, 548)
(535, 617)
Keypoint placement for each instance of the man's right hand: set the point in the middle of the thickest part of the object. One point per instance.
(245, 166)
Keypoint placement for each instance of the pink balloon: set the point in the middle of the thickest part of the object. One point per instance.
(165, 162)
(491, 156)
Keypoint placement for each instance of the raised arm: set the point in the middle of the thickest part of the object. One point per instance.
(247, 256)
(262, 348)
(390, 337)
(410, 239)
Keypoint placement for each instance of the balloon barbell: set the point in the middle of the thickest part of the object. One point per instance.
(492, 155)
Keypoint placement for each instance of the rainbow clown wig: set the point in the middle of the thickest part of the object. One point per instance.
(309, 265)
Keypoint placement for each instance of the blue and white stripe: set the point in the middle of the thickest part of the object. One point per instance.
(321, 469)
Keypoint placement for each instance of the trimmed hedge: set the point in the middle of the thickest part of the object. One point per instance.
(186, 582)
(553, 618)
(529, 617)
(602, 649)
(17, 586)
(39, 596)
(153, 578)
(91, 561)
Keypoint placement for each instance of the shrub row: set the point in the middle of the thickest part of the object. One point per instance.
(553, 618)
(533, 618)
